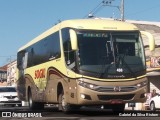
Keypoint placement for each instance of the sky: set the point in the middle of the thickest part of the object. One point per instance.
(23, 20)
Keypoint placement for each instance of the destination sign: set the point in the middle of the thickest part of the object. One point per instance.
(95, 35)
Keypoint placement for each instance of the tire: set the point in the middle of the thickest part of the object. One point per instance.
(64, 106)
(34, 105)
(152, 106)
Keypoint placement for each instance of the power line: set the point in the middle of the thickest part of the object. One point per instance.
(109, 4)
(7, 59)
(92, 11)
(3, 56)
(142, 11)
(98, 9)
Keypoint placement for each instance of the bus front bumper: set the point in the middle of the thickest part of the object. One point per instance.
(90, 97)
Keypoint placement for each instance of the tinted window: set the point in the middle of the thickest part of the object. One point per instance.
(102, 53)
(7, 89)
(20, 57)
(68, 52)
(42, 51)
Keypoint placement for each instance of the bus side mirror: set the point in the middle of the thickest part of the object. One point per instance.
(73, 37)
(151, 40)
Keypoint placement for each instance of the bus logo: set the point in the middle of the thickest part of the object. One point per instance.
(117, 89)
(119, 70)
(40, 73)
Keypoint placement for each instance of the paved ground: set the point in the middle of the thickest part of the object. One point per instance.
(51, 113)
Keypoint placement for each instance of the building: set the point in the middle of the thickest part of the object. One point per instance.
(3, 75)
(11, 73)
(153, 58)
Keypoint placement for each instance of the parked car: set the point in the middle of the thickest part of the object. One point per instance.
(147, 103)
(154, 102)
(8, 96)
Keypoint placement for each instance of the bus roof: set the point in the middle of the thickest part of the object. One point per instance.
(88, 24)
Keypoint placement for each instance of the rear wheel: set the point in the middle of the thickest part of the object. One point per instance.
(34, 105)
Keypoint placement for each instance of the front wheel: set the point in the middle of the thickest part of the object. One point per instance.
(64, 106)
(34, 105)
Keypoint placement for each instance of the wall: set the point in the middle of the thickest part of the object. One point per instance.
(11, 73)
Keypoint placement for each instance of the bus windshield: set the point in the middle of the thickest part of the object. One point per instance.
(108, 54)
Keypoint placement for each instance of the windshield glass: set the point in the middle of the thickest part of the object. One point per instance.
(110, 54)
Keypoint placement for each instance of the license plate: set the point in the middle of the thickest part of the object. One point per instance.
(116, 101)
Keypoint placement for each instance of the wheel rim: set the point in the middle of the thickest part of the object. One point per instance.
(63, 102)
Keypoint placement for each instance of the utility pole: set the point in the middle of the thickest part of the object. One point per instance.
(9, 71)
(120, 7)
(122, 10)
(109, 4)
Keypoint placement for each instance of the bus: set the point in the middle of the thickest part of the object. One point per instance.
(84, 62)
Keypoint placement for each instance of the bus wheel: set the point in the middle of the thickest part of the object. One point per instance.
(65, 107)
(34, 105)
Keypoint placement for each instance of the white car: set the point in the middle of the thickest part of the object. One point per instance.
(154, 102)
(8, 96)
(147, 103)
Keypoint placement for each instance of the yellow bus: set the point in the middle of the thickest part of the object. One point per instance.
(84, 62)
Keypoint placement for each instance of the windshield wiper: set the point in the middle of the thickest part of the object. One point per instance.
(105, 70)
(108, 57)
(123, 62)
(116, 59)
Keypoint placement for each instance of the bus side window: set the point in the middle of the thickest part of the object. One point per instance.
(68, 52)
(30, 57)
(20, 60)
(25, 60)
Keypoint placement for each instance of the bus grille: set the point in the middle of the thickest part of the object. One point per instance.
(111, 89)
(111, 97)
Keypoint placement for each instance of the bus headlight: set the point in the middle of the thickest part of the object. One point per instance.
(87, 85)
(142, 84)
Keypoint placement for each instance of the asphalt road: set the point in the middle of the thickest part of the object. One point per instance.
(51, 113)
